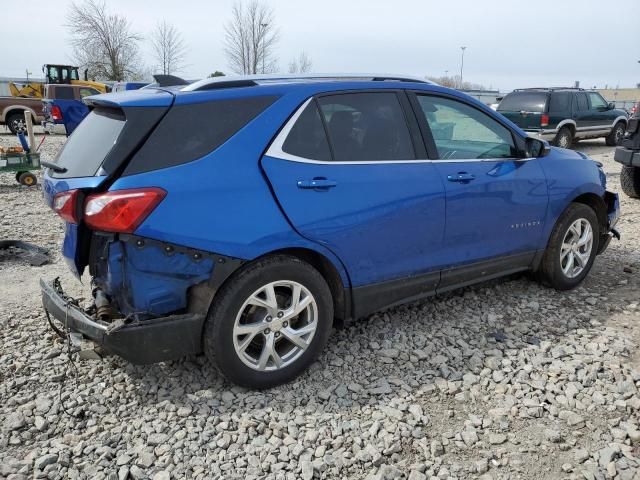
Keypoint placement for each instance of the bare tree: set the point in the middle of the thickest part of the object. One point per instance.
(250, 38)
(454, 82)
(169, 48)
(302, 64)
(103, 42)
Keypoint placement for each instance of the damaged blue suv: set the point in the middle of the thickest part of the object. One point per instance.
(239, 217)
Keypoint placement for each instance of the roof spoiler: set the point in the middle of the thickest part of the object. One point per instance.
(169, 80)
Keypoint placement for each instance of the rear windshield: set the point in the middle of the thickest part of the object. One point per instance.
(523, 101)
(90, 143)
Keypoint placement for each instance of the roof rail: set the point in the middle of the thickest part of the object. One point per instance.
(547, 88)
(253, 80)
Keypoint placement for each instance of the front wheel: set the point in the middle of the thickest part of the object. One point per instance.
(630, 181)
(572, 248)
(616, 134)
(269, 322)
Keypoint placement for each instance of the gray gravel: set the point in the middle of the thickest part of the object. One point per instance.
(500, 381)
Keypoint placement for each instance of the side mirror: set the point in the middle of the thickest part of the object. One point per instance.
(611, 106)
(536, 148)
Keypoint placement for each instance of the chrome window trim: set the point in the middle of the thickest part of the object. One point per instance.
(275, 150)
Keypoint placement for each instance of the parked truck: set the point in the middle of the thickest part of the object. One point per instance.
(14, 109)
(63, 106)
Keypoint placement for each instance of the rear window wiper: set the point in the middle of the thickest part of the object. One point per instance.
(54, 167)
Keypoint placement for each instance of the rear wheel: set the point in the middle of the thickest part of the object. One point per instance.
(616, 134)
(15, 122)
(630, 181)
(572, 248)
(269, 322)
(564, 138)
(28, 179)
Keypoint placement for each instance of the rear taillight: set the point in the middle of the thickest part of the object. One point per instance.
(544, 120)
(65, 204)
(121, 211)
(56, 113)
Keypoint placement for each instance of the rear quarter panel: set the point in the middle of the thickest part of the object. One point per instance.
(222, 203)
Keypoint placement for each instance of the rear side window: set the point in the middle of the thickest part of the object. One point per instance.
(581, 102)
(559, 102)
(366, 127)
(63, 93)
(189, 132)
(85, 150)
(307, 138)
(523, 101)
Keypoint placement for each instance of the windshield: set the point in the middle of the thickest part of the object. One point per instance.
(523, 101)
(90, 143)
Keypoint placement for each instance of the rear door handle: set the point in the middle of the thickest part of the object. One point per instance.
(461, 177)
(318, 183)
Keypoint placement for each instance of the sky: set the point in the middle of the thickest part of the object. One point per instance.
(510, 43)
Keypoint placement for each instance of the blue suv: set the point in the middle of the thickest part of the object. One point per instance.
(241, 217)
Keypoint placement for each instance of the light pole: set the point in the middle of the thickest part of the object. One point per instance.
(264, 27)
(462, 65)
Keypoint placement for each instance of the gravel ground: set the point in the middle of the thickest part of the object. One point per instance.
(504, 380)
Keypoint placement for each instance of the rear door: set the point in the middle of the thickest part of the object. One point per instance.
(351, 174)
(496, 202)
(581, 113)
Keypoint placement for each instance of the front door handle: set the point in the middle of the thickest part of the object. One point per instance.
(461, 177)
(318, 183)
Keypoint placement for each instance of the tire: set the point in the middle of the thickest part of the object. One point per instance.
(554, 270)
(28, 179)
(238, 356)
(630, 181)
(15, 122)
(616, 134)
(564, 138)
(18, 176)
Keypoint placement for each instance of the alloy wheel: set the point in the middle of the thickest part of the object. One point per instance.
(576, 248)
(275, 325)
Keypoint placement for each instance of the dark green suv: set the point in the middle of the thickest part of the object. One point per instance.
(562, 115)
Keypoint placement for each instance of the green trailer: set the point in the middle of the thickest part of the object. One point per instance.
(22, 163)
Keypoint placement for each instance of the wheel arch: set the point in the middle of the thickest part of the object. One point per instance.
(340, 292)
(10, 110)
(597, 204)
(570, 124)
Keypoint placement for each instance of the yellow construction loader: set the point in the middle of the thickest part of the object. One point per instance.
(58, 74)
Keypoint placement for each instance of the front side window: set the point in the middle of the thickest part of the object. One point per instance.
(463, 132)
(597, 102)
(366, 127)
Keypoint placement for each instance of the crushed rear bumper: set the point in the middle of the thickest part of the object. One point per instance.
(142, 342)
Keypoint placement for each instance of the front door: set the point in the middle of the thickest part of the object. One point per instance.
(496, 202)
(363, 192)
